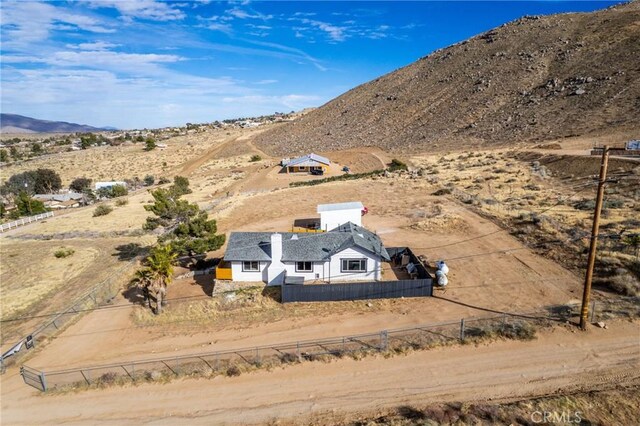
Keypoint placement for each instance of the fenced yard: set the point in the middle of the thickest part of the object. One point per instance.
(100, 294)
(235, 362)
(25, 220)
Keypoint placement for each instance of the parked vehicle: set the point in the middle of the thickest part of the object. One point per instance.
(317, 172)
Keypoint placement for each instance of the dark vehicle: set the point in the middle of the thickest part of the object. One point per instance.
(317, 172)
(346, 169)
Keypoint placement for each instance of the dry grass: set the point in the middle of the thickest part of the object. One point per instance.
(254, 305)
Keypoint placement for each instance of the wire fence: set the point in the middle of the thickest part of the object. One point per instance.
(234, 362)
(100, 294)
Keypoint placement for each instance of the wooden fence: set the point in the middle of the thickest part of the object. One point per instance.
(356, 290)
(24, 221)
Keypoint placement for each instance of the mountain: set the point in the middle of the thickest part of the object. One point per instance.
(533, 79)
(13, 123)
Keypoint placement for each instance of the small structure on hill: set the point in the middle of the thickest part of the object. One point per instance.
(306, 164)
(111, 184)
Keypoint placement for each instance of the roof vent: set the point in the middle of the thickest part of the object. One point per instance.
(361, 235)
(294, 237)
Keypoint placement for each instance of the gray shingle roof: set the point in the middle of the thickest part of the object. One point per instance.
(297, 247)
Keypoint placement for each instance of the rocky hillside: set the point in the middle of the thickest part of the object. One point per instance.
(534, 79)
(13, 123)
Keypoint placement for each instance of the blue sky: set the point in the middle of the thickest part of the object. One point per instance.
(148, 63)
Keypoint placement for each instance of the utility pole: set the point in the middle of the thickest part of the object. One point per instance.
(594, 239)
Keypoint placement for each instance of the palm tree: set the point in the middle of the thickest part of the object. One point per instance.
(160, 263)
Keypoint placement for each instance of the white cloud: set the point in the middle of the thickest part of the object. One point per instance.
(142, 9)
(98, 45)
(266, 82)
(25, 23)
(244, 14)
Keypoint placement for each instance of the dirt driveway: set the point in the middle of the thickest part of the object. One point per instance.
(559, 360)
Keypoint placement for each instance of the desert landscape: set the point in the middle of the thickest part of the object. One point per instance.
(504, 194)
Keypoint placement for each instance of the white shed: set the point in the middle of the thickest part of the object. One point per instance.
(334, 215)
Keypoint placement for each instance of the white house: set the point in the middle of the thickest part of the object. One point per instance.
(334, 215)
(346, 253)
(100, 185)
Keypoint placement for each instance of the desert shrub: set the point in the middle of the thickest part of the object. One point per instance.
(149, 180)
(163, 180)
(108, 378)
(351, 176)
(255, 158)
(122, 202)
(289, 358)
(233, 371)
(102, 210)
(63, 252)
(442, 191)
(532, 187)
(518, 331)
(397, 165)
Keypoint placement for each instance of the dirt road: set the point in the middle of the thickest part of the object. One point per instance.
(560, 359)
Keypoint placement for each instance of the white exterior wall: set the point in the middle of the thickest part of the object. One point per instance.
(334, 218)
(334, 274)
(238, 275)
(317, 268)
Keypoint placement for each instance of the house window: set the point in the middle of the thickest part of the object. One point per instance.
(353, 265)
(304, 267)
(252, 266)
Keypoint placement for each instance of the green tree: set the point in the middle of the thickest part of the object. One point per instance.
(27, 206)
(160, 264)
(180, 186)
(36, 148)
(118, 191)
(150, 144)
(4, 156)
(149, 180)
(38, 181)
(15, 154)
(187, 229)
(80, 184)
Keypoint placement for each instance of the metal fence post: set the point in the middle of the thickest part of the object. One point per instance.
(258, 355)
(593, 311)
(43, 380)
(383, 340)
(462, 329)
(298, 351)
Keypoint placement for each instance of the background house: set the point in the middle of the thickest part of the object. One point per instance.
(306, 164)
(61, 201)
(346, 253)
(110, 184)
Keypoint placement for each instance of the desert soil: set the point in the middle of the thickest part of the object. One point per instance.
(560, 359)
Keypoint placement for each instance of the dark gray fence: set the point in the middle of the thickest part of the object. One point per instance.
(356, 290)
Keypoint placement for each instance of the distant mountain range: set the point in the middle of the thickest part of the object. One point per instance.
(535, 79)
(13, 123)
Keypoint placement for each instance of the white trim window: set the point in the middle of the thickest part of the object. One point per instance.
(251, 266)
(304, 266)
(353, 265)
